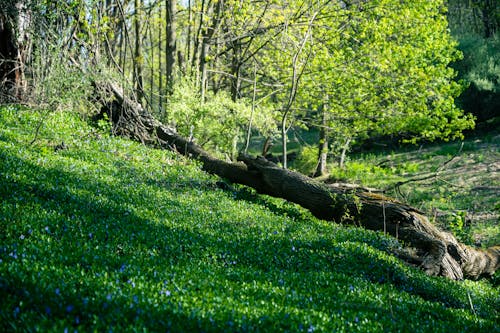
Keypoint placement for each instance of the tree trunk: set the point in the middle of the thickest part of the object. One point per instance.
(321, 169)
(284, 140)
(435, 251)
(490, 16)
(343, 154)
(171, 51)
(205, 46)
(14, 22)
(236, 72)
(138, 59)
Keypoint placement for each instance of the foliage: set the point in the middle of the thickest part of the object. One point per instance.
(110, 235)
(307, 160)
(57, 85)
(482, 67)
(219, 122)
(394, 77)
(370, 70)
(476, 26)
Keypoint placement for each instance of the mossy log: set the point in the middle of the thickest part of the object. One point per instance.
(435, 251)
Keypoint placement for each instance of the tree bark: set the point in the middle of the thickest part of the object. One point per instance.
(14, 22)
(171, 51)
(138, 59)
(321, 168)
(205, 45)
(435, 251)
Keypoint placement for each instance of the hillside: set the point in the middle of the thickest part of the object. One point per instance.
(100, 233)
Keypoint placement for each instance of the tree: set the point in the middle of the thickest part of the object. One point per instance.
(437, 252)
(366, 88)
(15, 20)
(171, 50)
(476, 24)
(138, 57)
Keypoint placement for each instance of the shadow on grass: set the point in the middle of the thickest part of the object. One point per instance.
(74, 258)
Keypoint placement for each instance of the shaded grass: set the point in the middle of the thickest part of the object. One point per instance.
(110, 235)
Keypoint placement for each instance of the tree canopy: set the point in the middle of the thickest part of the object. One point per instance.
(352, 68)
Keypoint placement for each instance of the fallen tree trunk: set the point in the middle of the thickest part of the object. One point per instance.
(435, 251)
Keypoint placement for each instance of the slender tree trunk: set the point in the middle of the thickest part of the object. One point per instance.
(235, 72)
(152, 68)
(171, 50)
(254, 94)
(189, 32)
(321, 169)
(343, 154)
(160, 67)
(138, 59)
(284, 140)
(296, 75)
(490, 15)
(205, 47)
(196, 59)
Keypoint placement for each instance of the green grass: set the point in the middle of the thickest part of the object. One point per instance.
(109, 235)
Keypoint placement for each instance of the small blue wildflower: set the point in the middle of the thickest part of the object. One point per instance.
(17, 310)
(351, 288)
(122, 268)
(69, 308)
(77, 320)
(21, 237)
(108, 297)
(47, 229)
(91, 235)
(57, 291)
(135, 298)
(310, 329)
(47, 310)
(356, 319)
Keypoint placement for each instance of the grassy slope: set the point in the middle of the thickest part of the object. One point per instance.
(108, 234)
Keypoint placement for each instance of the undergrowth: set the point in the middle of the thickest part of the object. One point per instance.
(104, 234)
(455, 183)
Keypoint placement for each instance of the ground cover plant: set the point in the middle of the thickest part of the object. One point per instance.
(455, 183)
(101, 233)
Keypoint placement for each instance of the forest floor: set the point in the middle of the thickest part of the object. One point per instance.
(99, 233)
(456, 183)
